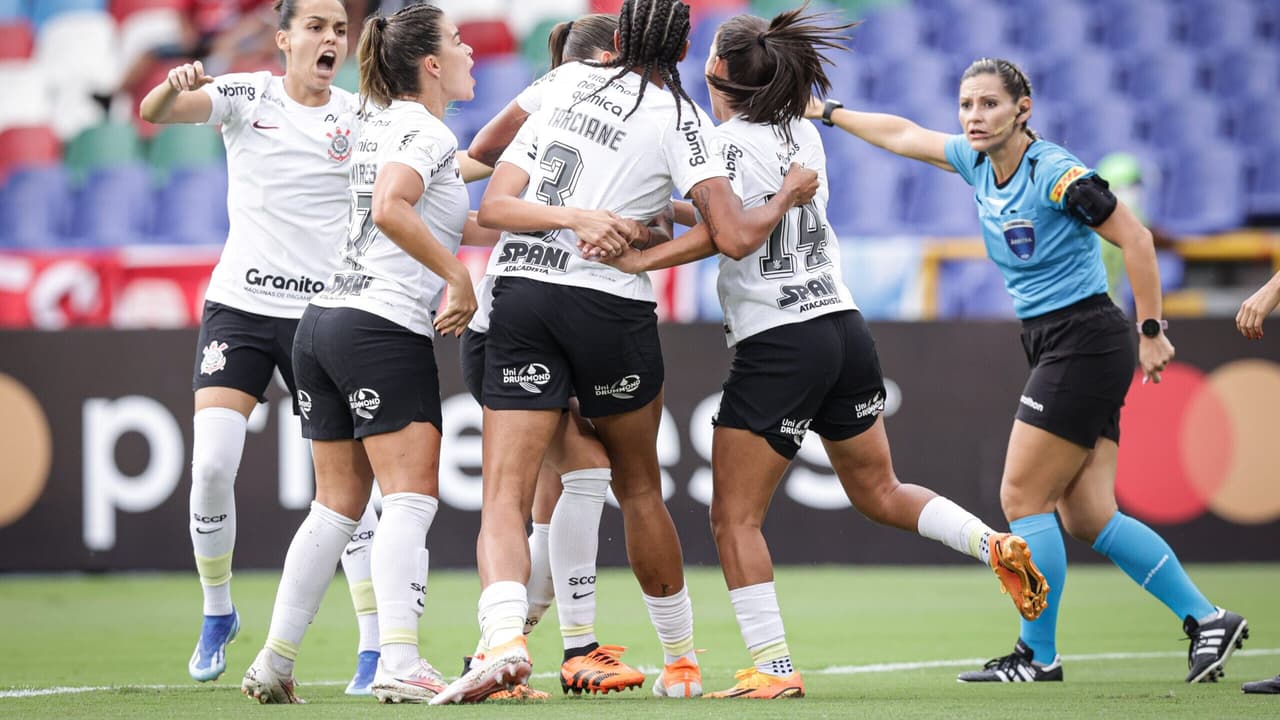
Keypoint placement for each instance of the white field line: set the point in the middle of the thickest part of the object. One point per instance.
(833, 670)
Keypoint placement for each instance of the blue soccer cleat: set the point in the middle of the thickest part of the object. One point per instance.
(210, 658)
(366, 668)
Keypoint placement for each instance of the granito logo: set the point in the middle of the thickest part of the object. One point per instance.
(364, 402)
(623, 389)
(304, 404)
(529, 377)
(214, 359)
(304, 284)
(874, 406)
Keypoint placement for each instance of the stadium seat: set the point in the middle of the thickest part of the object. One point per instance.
(16, 40)
(528, 18)
(34, 204)
(1056, 27)
(912, 81)
(1095, 128)
(181, 146)
(1075, 77)
(1163, 74)
(348, 76)
(1135, 25)
(113, 207)
(106, 145)
(1263, 189)
(703, 30)
(498, 79)
(533, 46)
(604, 6)
(487, 38)
(78, 52)
(460, 11)
(1252, 123)
(28, 147)
(974, 29)
(892, 32)
(122, 10)
(1239, 73)
(27, 100)
(692, 78)
(44, 10)
(1190, 120)
(143, 31)
(972, 289)
(866, 191)
(1204, 190)
(191, 208)
(1218, 23)
(939, 203)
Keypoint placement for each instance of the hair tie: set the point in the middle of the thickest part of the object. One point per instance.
(382, 22)
(760, 38)
(568, 28)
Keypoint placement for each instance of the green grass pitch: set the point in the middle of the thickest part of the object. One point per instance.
(871, 642)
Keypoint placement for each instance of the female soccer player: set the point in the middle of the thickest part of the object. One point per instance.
(288, 154)
(803, 356)
(370, 396)
(1039, 208)
(620, 136)
(565, 537)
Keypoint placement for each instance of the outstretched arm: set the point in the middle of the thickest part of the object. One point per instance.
(896, 134)
(178, 99)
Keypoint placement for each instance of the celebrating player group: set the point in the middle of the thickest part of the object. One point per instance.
(366, 196)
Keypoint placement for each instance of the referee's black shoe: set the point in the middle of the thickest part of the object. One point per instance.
(1212, 643)
(1015, 667)
(1270, 686)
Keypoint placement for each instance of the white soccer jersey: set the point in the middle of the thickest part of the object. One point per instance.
(584, 155)
(519, 154)
(795, 275)
(286, 193)
(376, 275)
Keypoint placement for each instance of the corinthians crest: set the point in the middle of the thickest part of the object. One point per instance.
(339, 144)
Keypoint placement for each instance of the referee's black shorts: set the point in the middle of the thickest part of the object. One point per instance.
(1082, 360)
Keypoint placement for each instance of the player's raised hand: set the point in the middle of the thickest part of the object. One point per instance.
(813, 111)
(189, 76)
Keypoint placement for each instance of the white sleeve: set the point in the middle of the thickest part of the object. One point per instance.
(729, 156)
(233, 95)
(523, 150)
(530, 99)
(424, 151)
(685, 149)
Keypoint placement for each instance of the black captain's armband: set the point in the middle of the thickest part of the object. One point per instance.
(1090, 200)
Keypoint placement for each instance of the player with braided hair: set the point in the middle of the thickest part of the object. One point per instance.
(605, 155)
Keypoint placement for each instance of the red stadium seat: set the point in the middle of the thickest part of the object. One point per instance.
(610, 7)
(28, 147)
(16, 40)
(488, 37)
(122, 9)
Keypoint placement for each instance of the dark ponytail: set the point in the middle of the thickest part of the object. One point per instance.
(1015, 82)
(774, 67)
(390, 49)
(581, 39)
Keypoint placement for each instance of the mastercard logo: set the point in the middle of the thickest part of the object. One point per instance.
(1202, 442)
(27, 448)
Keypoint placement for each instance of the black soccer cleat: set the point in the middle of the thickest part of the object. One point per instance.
(1015, 667)
(1270, 686)
(1212, 644)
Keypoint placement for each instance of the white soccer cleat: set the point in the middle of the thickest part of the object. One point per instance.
(503, 667)
(419, 685)
(265, 685)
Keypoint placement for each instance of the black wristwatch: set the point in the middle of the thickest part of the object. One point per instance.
(829, 107)
(1152, 327)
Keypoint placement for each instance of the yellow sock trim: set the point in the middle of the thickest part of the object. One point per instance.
(362, 597)
(215, 570)
(576, 630)
(283, 648)
(406, 636)
(772, 651)
(680, 647)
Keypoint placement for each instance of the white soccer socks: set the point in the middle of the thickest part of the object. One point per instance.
(574, 541)
(215, 458)
(356, 563)
(399, 574)
(955, 527)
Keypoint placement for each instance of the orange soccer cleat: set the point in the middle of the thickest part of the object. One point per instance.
(1019, 577)
(599, 671)
(755, 685)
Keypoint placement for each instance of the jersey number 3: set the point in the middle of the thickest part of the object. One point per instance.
(561, 166)
(809, 228)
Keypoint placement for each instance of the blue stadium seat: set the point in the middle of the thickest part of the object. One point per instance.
(1189, 120)
(974, 29)
(1263, 190)
(1075, 77)
(704, 30)
(34, 204)
(1204, 190)
(1253, 123)
(498, 80)
(191, 208)
(42, 10)
(1218, 23)
(1251, 72)
(893, 32)
(1055, 27)
(1135, 25)
(1162, 74)
(1095, 128)
(972, 289)
(692, 70)
(114, 206)
(866, 191)
(939, 203)
(13, 9)
(912, 81)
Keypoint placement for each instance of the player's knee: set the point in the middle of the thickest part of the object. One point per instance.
(214, 472)
(1082, 528)
(591, 483)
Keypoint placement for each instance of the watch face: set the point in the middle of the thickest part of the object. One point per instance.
(1151, 328)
